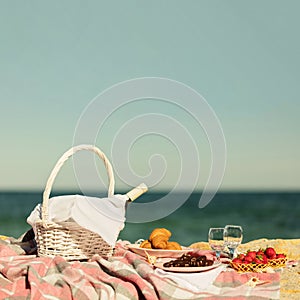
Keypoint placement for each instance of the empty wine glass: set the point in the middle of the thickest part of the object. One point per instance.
(216, 240)
(233, 236)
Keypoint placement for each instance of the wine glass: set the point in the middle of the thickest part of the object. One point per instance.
(233, 236)
(216, 240)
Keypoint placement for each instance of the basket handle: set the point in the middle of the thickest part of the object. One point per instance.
(59, 164)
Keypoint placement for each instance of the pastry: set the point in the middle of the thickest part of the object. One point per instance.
(160, 231)
(159, 242)
(146, 244)
(173, 246)
(159, 239)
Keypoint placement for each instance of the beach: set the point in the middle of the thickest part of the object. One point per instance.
(267, 218)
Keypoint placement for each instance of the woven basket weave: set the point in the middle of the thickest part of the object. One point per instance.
(249, 267)
(273, 263)
(277, 262)
(68, 239)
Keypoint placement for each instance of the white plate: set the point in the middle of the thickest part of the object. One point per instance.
(158, 252)
(185, 269)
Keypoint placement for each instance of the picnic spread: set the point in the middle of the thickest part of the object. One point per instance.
(127, 275)
(72, 251)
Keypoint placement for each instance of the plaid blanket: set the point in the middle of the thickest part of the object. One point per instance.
(124, 276)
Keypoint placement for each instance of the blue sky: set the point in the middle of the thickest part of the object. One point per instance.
(242, 57)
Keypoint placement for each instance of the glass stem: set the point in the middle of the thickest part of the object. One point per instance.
(231, 251)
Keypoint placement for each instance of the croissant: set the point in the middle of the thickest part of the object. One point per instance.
(146, 244)
(160, 231)
(159, 241)
(173, 246)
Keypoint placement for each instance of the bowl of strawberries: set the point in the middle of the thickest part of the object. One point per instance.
(258, 261)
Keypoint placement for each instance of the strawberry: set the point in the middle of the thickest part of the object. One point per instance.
(260, 252)
(248, 258)
(261, 259)
(280, 255)
(264, 259)
(270, 253)
(237, 261)
(257, 261)
(251, 254)
(241, 256)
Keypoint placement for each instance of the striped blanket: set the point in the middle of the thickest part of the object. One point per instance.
(126, 276)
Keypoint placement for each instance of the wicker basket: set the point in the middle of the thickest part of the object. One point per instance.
(277, 262)
(68, 239)
(273, 263)
(249, 267)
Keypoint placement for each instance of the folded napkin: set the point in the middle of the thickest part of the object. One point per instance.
(196, 282)
(105, 216)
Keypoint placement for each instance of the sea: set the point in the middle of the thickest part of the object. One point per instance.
(261, 214)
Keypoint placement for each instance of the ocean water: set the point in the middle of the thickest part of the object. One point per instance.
(268, 215)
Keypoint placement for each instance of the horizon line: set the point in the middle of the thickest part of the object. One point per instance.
(163, 191)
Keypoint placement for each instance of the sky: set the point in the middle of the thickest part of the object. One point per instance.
(242, 57)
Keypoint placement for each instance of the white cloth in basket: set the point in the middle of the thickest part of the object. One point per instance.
(105, 216)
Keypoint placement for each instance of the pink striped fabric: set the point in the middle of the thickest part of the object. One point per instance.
(124, 276)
